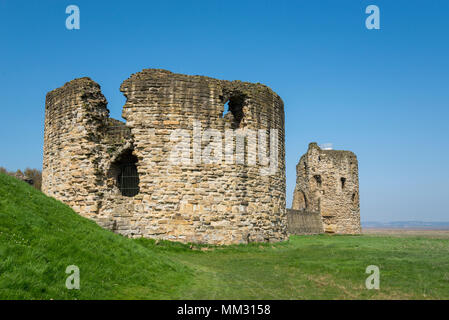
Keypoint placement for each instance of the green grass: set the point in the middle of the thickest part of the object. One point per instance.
(40, 237)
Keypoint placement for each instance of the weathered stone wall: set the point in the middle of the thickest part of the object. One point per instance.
(302, 222)
(220, 202)
(327, 182)
(75, 117)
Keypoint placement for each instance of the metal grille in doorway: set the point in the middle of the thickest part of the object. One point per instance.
(128, 180)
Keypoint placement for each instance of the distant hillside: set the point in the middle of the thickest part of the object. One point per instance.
(406, 225)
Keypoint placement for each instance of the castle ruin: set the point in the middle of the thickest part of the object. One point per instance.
(122, 176)
(327, 185)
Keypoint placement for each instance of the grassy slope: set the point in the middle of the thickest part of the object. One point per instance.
(40, 237)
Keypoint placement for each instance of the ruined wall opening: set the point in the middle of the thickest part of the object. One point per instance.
(124, 169)
(343, 180)
(234, 105)
(300, 200)
(318, 180)
(354, 198)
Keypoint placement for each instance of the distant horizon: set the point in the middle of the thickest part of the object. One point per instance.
(418, 225)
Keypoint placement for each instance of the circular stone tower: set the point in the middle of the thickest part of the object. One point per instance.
(203, 160)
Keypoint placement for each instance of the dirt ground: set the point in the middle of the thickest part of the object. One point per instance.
(433, 233)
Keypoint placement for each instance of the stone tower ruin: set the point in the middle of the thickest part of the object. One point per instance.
(122, 175)
(327, 182)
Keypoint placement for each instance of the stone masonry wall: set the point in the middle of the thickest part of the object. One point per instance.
(302, 222)
(220, 202)
(75, 116)
(327, 182)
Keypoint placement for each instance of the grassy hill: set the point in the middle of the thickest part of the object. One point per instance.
(40, 237)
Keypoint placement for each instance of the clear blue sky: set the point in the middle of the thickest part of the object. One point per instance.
(383, 94)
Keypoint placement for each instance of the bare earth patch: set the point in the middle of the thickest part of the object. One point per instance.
(430, 233)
